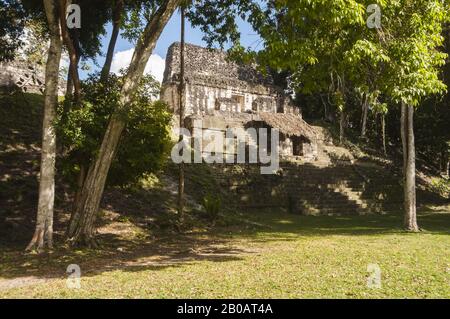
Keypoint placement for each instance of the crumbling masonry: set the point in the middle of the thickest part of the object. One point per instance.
(221, 94)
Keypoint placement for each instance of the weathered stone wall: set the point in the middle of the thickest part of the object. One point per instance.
(220, 94)
(29, 78)
(213, 129)
(202, 98)
(203, 63)
(19, 74)
(211, 80)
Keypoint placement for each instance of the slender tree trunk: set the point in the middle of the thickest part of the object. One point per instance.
(383, 133)
(325, 111)
(117, 17)
(70, 83)
(446, 170)
(444, 163)
(342, 127)
(77, 198)
(409, 168)
(44, 222)
(80, 182)
(73, 55)
(365, 109)
(181, 110)
(403, 125)
(69, 86)
(81, 229)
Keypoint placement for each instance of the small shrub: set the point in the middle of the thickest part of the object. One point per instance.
(441, 186)
(211, 204)
(145, 142)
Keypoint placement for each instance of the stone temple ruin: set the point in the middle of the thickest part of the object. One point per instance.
(21, 75)
(25, 77)
(221, 94)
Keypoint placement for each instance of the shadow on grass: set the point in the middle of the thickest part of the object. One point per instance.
(215, 245)
(368, 225)
(152, 255)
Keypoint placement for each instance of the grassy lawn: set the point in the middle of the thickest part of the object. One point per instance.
(258, 255)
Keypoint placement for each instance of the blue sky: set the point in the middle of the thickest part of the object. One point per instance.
(171, 33)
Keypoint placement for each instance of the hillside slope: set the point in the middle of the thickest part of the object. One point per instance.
(334, 188)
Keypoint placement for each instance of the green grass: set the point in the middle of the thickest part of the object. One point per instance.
(258, 255)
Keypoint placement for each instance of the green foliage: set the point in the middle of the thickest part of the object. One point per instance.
(441, 186)
(335, 61)
(12, 23)
(138, 13)
(94, 15)
(414, 29)
(338, 100)
(218, 19)
(212, 203)
(145, 142)
(36, 50)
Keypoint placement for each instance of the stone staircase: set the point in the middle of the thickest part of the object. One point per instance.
(312, 188)
(333, 184)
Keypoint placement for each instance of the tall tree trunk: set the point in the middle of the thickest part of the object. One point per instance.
(342, 127)
(69, 86)
(80, 182)
(81, 229)
(383, 133)
(181, 110)
(447, 168)
(403, 126)
(73, 55)
(44, 222)
(446, 164)
(325, 109)
(70, 82)
(409, 168)
(117, 17)
(365, 109)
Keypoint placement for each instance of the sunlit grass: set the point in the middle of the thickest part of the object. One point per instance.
(287, 257)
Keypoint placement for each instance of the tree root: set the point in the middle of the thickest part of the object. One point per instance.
(83, 241)
(38, 243)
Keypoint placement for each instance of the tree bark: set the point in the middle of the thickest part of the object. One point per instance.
(81, 229)
(365, 109)
(43, 234)
(446, 170)
(117, 17)
(80, 182)
(73, 55)
(69, 86)
(70, 82)
(403, 125)
(342, 127)
(325, 109)
(409, 169)
(181, 110)
(383, 133)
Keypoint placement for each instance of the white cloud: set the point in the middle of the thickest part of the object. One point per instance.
(155, 65)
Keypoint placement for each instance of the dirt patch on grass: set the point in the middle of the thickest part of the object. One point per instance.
(20, 282)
